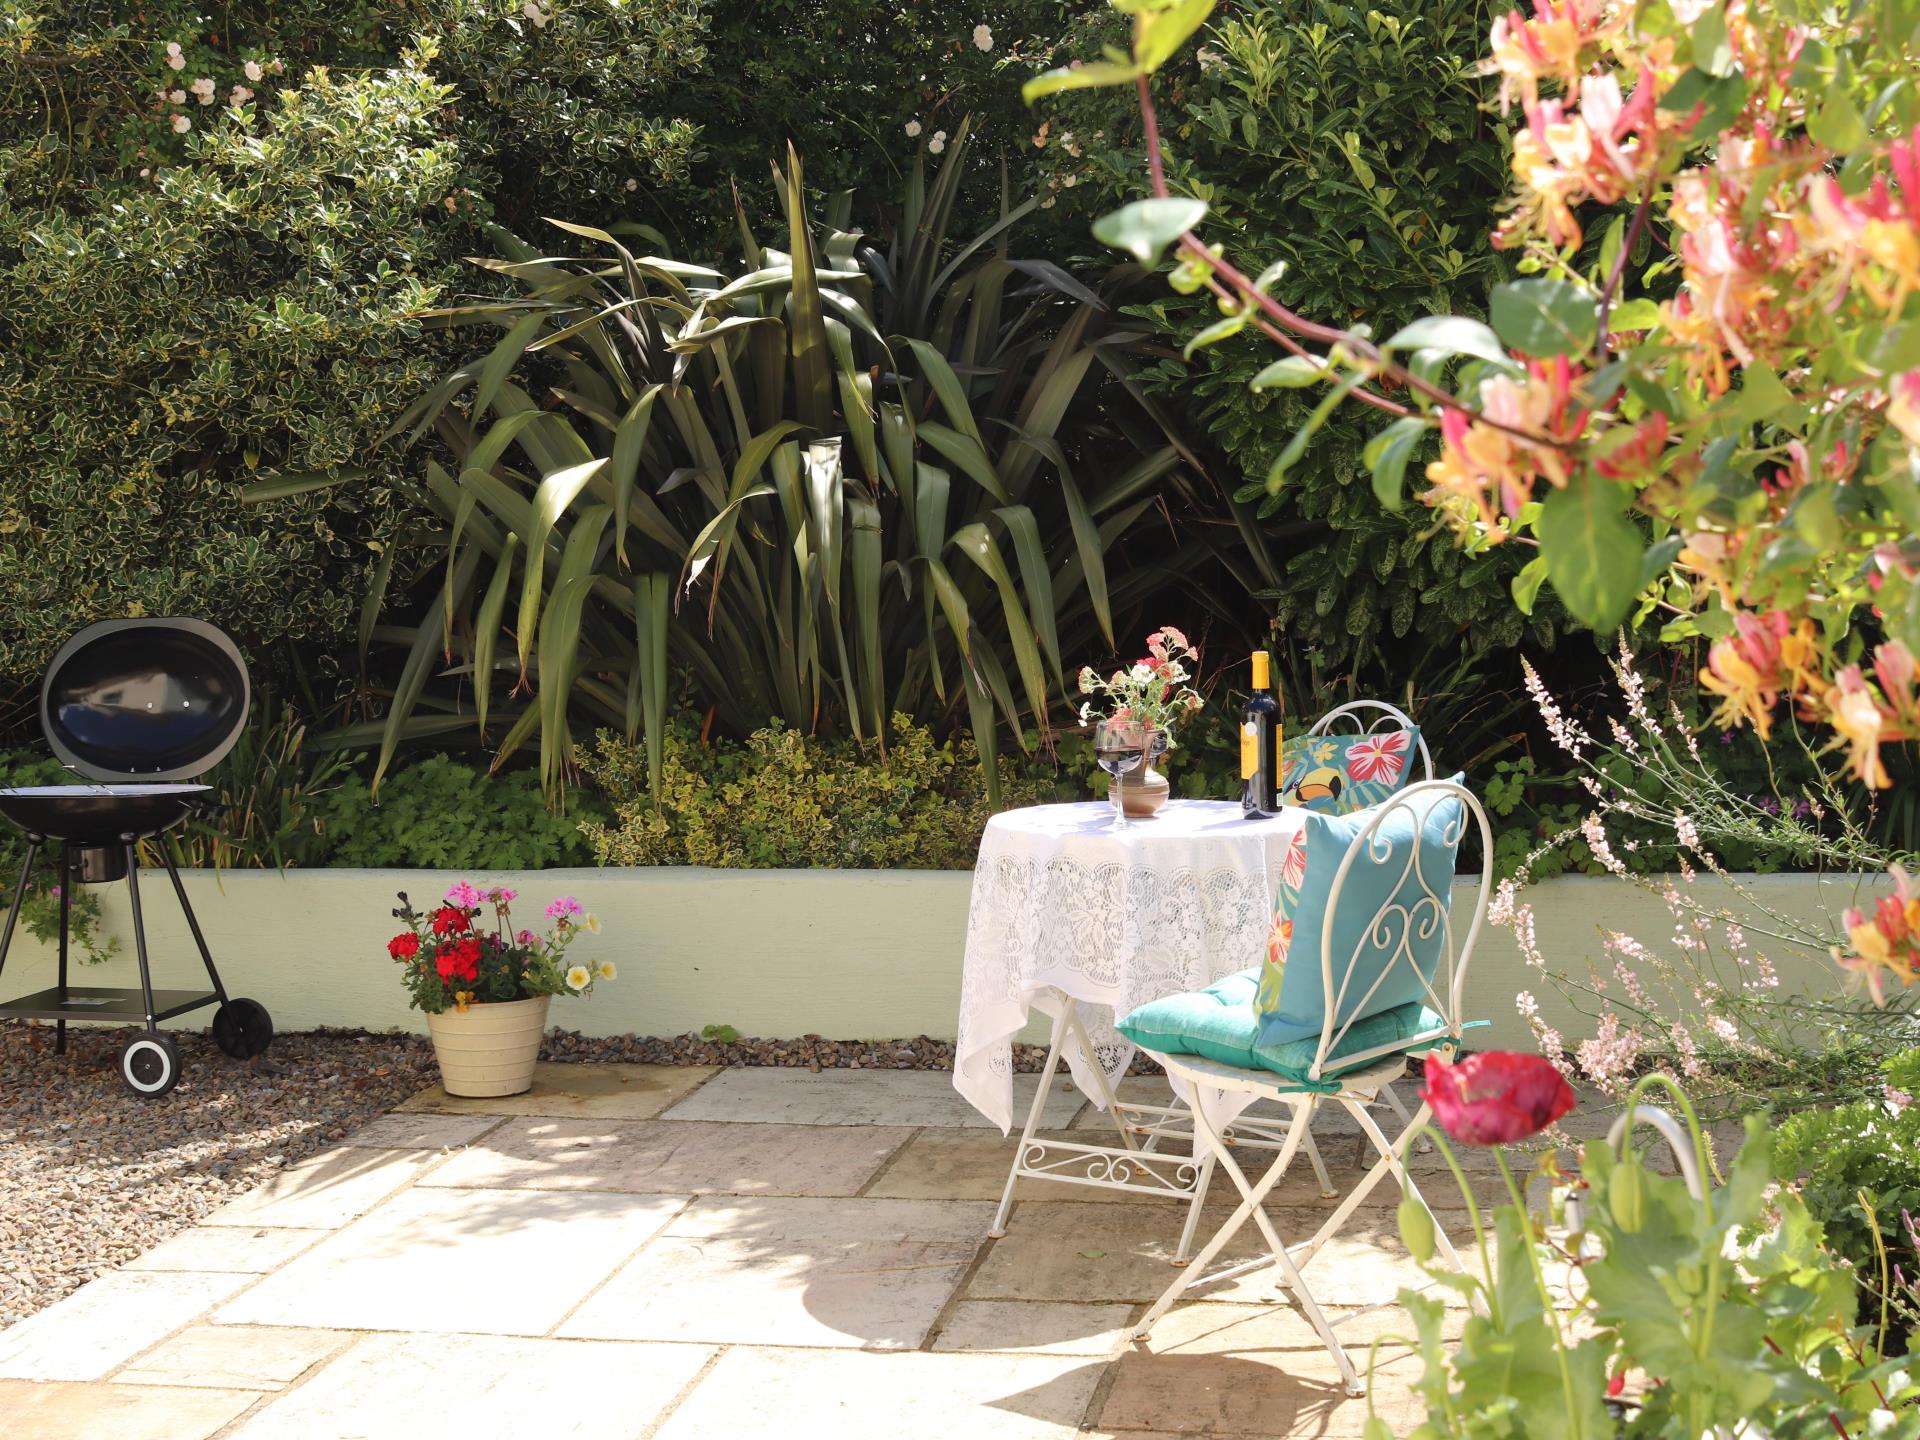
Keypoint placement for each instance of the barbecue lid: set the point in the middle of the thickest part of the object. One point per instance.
(144, 699)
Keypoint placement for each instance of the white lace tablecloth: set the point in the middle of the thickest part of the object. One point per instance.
(1065, 904)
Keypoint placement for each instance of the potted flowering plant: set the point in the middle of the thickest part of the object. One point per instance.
(485, 988)
(1153, 694)
(1694, 1316)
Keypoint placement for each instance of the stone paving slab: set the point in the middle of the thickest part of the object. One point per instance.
(108, 1321)
(606, 1091)
(673, 1157)
(954, 1164)
(328, 1190)
(68, 1411)
(415, 1387)
(848, 1396)
(867, 1274)
(859, 1097)
(252, 1251)
(1296, 1393)
(234, 1357)
(1036, 1327)
(421, 1131)
(499, 1262)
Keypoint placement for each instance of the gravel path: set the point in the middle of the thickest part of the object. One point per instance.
(90, 1176)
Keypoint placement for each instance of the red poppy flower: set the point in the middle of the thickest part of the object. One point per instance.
(404, 947)
(1496, 1097)
(448, 920)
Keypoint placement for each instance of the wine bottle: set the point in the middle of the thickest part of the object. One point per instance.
(1260, 744)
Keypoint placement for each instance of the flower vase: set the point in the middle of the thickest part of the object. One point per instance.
(1143, 789)
(489, 1050)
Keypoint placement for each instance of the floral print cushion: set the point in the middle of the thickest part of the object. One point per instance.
(1338, 774)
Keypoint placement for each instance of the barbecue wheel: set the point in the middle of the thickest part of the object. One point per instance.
(242, 1028)
(150, 1064)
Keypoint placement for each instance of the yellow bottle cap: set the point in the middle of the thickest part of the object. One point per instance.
(1260, 679)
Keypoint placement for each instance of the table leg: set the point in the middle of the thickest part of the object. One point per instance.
(1047, 1072)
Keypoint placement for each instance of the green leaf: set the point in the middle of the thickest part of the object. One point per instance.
(283, 485)
(1545, 317)
(1295, 372)
(1220, 330)
(1526, 585)
(1454, 334)
(1146, 228)
(1386, 456)
(1712, 50)
(1094, 75)
(1161, 32)
(1592, 550)
(1839, 124)
(1639, 313)
(505, 356)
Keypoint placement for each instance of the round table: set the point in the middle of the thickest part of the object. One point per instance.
(1084, 922)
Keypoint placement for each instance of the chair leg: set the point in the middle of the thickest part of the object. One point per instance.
(1327, 1192)
(1394, 1158)
(1202, 1179)
(1252, 1206)
(999, 1228)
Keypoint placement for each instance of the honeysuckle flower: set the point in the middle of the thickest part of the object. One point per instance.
(181, 124)
(253, 71)
(1765, 657)
(913, 129)
(983, 37)
(1855, 714)
(1496, 1097)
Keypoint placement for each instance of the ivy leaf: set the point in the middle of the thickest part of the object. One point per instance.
(1145, 228)
(1295, 372)
(1545, 317)
(1387, 454)
(1592, 550)
(1455, 334)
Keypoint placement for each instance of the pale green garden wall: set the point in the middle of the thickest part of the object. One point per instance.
(844, 954)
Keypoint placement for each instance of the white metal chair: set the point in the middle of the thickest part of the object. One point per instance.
(1364, 1076)
(1142, 1164)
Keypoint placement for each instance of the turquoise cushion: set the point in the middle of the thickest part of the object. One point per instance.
(1389, 914)
(1338, 774)
(1219, 1024)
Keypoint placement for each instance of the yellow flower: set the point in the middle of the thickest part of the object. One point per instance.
(462, 999)
(579, 977)
(605, 970)
(1870, 944)
(590, 923)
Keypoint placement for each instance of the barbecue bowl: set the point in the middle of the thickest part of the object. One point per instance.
(98, 814)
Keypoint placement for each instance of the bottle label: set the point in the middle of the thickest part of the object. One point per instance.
(1249, 750)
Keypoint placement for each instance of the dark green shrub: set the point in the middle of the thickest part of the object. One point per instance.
(441, 814)
(40, 912)
(1350, 145)
(783, 799)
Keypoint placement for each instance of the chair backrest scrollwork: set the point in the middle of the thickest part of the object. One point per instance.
(1418, 906)
(1384, 717)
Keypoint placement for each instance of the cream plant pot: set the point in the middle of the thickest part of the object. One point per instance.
(490, 1049)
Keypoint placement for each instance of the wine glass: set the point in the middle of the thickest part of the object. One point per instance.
(1119, 745)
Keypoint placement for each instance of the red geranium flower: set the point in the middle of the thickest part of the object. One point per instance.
(1496, 1097)
(404, 947)
(448, 920)
(458, 960)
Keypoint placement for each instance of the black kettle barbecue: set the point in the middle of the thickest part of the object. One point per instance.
(142, 708)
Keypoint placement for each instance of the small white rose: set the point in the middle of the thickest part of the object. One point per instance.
(144, 172)
(176, 61)
(239, 95)
(254, 72)
(181, 124)
(913, 129)
(538, 16)
(173, 47)
(937, 143)
(983, 37)
(177, 97)
(633, 184)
